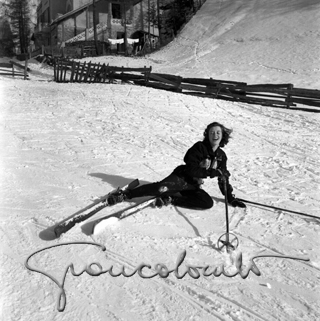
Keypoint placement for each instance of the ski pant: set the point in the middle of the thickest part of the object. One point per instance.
(191, 195)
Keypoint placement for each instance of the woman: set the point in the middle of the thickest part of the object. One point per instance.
(183, 186)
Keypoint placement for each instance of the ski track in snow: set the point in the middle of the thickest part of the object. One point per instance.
(65, 145)
(197, 296)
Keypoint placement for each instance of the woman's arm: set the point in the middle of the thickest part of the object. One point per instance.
(194, 160)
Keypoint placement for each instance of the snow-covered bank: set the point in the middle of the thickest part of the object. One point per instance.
(65, 145)
(251, 41)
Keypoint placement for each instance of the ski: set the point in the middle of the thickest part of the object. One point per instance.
(99, 224)
(89, 211)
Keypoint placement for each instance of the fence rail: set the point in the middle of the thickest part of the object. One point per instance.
(9, 69)
(276, 95)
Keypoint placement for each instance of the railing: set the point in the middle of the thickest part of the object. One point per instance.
(43, 26)
(75, 50)
(120, 22)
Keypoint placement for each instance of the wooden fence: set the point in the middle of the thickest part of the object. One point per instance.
(9, 69)
(276, 95)
(71, 71)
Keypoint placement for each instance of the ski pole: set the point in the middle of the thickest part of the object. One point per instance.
(226, 206)
(225, 238)
(278, 208)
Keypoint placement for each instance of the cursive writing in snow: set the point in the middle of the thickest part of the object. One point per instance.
(160, 269)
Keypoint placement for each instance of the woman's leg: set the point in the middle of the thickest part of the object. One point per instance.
(169, 186)
(196, 199)
(191, 196)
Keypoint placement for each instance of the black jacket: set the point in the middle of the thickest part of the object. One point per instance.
(191, 170)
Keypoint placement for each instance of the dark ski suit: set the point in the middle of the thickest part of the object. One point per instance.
(186, 179)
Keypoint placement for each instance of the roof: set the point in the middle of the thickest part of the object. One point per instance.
(71, 13)
(82, 8)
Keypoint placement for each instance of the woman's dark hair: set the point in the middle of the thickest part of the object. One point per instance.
(226, 132)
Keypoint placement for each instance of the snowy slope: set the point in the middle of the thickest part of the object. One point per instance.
(253, 41)
(65, 145)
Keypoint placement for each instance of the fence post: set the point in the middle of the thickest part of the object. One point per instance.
(25, 69)
(60, 70)
(72, 71)
(288, 99)
(54, 70)
(65, 73)
(96, 72)
(211, 88)
(55, 67)
(88, 72)
(82, 71)
(147, 73)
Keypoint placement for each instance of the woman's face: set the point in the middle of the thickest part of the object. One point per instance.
(215, 135)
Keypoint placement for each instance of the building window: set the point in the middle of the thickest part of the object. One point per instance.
(116, 11)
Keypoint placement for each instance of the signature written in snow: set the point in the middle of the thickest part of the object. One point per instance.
(159, 269)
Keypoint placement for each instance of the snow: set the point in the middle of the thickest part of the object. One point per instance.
(111, 223)
(65, 145)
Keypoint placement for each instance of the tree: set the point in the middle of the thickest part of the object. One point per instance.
(151, 17)
(19, 14)
(95, 36)
(6, 39)
(177, 15)
(159, 21)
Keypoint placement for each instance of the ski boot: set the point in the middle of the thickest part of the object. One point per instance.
(117, 197)
(163, 201)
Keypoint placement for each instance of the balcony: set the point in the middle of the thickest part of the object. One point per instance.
(120, 22)
(43, 27)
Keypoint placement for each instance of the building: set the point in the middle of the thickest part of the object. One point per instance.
(123, 24)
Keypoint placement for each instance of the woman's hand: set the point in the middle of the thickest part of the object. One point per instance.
(237, 203)
(215, 173)
(205, 163)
